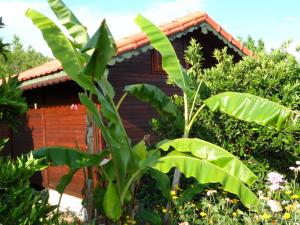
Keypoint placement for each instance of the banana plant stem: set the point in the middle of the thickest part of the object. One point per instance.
(194, 101)
(121, 100)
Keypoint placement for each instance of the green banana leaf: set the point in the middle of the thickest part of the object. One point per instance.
(170, 62)
(70, 22)
(111, 202)
(104, 50)
(61, 48)
(65, 180)
(120, 155)
(212, 154)
(114, 132)
(158, 100)
(162, 182)
(206, 172)
(250, 108)
(59, 156)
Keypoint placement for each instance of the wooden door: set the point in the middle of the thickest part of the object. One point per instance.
(65, 126)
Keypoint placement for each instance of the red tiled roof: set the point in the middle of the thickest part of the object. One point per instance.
(47, 68)
(136, 41)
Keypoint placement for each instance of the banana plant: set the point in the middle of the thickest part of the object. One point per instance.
(85, 60)
(195, 151)
(122, 163)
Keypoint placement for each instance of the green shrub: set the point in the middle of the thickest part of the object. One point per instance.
(19, 202)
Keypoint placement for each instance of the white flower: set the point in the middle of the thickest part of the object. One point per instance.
(297, 162)
(274, 205)
(184, 223)
(275, 178)
(285, 202)
(227, 200)
(275, 187)
(211, 192)
(295, 169)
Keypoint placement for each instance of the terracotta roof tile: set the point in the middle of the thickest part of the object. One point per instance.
(136, 41)
(47, 68)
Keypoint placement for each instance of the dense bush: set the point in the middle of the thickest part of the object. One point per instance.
(274, 76)
(19, 202)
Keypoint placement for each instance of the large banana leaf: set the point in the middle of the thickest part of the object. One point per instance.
(70, 22)
(104, 49)
(58, 156)
(61, 47)
(114, 132)
(170, 62)
(111, 202)
(206, 172)
(213, 154)
(157, 99)
(162, 182)
(65, 180)
(250, 108)
(114, 141)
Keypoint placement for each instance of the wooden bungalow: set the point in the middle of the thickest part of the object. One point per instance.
(55, 116)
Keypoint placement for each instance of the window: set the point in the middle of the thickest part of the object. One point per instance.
(157, 63)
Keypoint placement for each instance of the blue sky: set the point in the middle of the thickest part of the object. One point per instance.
(273, 21)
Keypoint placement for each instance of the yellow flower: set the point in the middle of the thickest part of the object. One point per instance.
(286, 216)
(266, 216)
(164, 210)
(174, 197)
(173, 193)
(203, 214)
(288, 192)
(235, 200)
(178, 188)
(295, 196)
(234, 214)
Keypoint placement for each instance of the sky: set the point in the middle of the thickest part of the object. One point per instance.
(275, 21)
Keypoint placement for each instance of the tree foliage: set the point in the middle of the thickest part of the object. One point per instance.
(20, 58)
(3, 46)
(12, 104)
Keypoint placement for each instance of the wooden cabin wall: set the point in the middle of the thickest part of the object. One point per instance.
(53, 123)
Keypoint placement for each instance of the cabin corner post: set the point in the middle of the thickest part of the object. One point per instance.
(89, 181)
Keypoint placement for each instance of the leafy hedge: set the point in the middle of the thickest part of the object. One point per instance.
(19, 202)
(274, 76)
